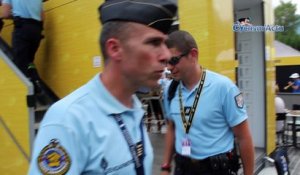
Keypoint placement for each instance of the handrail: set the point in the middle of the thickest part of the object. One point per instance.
(6, 56)
(13, 138)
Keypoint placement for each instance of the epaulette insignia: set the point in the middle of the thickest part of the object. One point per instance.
(53, 159)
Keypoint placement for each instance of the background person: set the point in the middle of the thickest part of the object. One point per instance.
(203, 117)
(98, 128)
(279, 102)
(279, 109)
(165, 80)
(27, 34)
(295, 84)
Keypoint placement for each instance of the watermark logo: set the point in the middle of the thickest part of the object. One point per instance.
(244, 22)
(245, 25)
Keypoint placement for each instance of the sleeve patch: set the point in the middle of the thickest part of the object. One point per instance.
(239, 100)
(53, 159)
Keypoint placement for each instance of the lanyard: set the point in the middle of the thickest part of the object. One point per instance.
(187, 124)
(136, 150)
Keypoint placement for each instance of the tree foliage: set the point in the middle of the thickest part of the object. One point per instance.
(285, 15)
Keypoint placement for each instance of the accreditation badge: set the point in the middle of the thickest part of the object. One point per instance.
(186, 147)
(53, 159)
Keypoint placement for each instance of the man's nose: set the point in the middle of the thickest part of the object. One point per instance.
(166, 54)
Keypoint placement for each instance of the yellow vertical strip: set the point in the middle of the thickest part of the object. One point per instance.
(270, 78)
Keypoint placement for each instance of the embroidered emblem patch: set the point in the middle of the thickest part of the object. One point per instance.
(239, 100)
(53, 159)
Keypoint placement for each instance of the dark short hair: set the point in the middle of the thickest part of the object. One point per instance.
(113, 29)
(181, 40)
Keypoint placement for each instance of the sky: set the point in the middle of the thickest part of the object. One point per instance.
(277, 2)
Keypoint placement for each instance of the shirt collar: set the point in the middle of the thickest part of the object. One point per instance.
(207, 82)
(109, 104)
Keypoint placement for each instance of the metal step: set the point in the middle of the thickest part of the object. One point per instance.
(42, 104)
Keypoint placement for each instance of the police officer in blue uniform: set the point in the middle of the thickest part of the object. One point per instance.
(98, 129)
(27, 34)
(203, 116)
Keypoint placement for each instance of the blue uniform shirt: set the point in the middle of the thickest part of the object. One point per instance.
(79, 135)
(296, 83)
(26, 8)
(219, 108)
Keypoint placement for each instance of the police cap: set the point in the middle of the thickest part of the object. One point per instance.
(158, 14)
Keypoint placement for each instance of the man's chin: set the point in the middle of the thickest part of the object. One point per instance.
(153, 84)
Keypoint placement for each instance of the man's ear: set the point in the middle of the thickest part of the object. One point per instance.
(113, 48)
(194, 53)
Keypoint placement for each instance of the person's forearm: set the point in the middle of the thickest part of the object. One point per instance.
(246, 148)
(6, 11)
(169, 145)
(169, 149)
(6, 16)
(42, 16)
(247, 156)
